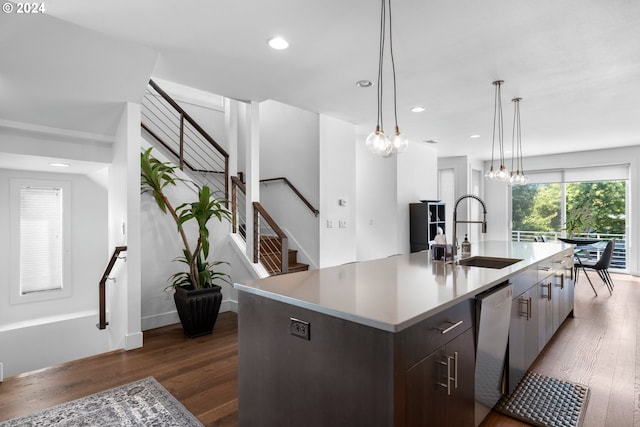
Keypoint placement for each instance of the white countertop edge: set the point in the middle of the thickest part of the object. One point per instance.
(318, 308)
(393, 328)
(512, 271)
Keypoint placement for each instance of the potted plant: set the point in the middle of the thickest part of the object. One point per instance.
(196, 296)
(579, 221)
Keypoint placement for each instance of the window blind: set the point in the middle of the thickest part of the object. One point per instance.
(41, 239)
(586, 174)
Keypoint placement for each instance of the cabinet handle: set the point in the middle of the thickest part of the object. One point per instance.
(448, 384)
(549, 293)
(526, 302)
(453, 325)
(450, 378)
(455, 370)
(529, 311)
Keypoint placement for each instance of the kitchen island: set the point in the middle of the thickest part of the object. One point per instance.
(363, 343)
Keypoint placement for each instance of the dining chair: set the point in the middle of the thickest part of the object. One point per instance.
(601, 266)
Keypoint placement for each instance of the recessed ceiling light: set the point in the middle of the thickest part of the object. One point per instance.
(417, 109)
(364, 83)
(430, 141)
(474, 136)
(59, 165)
(278, 43)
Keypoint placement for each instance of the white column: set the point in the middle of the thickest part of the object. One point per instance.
(253, 169)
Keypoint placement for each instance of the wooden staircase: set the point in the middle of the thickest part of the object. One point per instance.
(270, 256)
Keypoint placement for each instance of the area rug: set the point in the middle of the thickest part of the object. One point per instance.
(140, 403)
(546, 402)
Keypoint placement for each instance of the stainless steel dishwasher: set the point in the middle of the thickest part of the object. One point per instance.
(493, 311)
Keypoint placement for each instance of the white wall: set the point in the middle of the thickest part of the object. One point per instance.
(289, 147)
(464, 168)
(417, 180)
(376, 205)
(39, 334)
(384, 188)
(498, 194)
(337, 182)
(124, 301)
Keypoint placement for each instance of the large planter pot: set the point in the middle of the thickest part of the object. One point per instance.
(198, 309)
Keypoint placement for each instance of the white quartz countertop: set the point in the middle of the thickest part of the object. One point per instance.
(396, 292)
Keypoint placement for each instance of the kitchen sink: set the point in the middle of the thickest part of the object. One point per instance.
(488, 262)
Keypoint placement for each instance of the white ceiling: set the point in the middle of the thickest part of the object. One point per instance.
(575, 63)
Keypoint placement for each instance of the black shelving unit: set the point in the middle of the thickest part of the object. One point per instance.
(424, 219)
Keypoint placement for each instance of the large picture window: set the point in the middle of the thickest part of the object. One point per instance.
(541, 210)
(40, 212)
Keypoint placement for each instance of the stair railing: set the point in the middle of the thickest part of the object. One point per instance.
(102, 287)
(295, 190)
(270, 243)
(238, 207)
(180, 134)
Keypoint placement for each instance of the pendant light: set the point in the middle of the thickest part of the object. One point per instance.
(518, 177)
(498, 130)
(377, 141)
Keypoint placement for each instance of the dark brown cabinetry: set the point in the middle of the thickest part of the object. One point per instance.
(441, 385)
(424, 220)
(523, 335)
(538, 312)
(349, 374)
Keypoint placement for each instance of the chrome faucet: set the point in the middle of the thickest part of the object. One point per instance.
(454, 247)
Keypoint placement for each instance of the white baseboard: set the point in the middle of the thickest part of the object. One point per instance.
(133, 341)
(171, 317)
(160, 320)
(229, 305)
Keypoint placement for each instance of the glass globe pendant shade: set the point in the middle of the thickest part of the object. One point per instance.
(378, 143)
(375, 139)
(399, 142)
(490, 174)
(502, 174)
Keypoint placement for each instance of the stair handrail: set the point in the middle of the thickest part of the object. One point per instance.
(315, 211)
(102, 287)
(187, 117)
(184, 116)
(284, 241)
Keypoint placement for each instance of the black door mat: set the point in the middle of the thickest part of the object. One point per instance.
(546, 402)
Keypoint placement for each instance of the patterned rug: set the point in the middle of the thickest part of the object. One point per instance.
(546, 402)
(140, 403)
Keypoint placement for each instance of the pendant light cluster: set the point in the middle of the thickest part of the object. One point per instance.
(377, 142)
(502, 174)
(518, 177)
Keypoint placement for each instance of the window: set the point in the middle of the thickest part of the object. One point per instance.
(40, 240)
(544, 207)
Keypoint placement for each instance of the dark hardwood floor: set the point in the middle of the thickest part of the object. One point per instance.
(599, 347)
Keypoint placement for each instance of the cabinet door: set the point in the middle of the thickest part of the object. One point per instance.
(545, 312)
(426, 391)
(531, 345)
(523, 335)
(440, 388)
(460, 404)
(519, 316)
